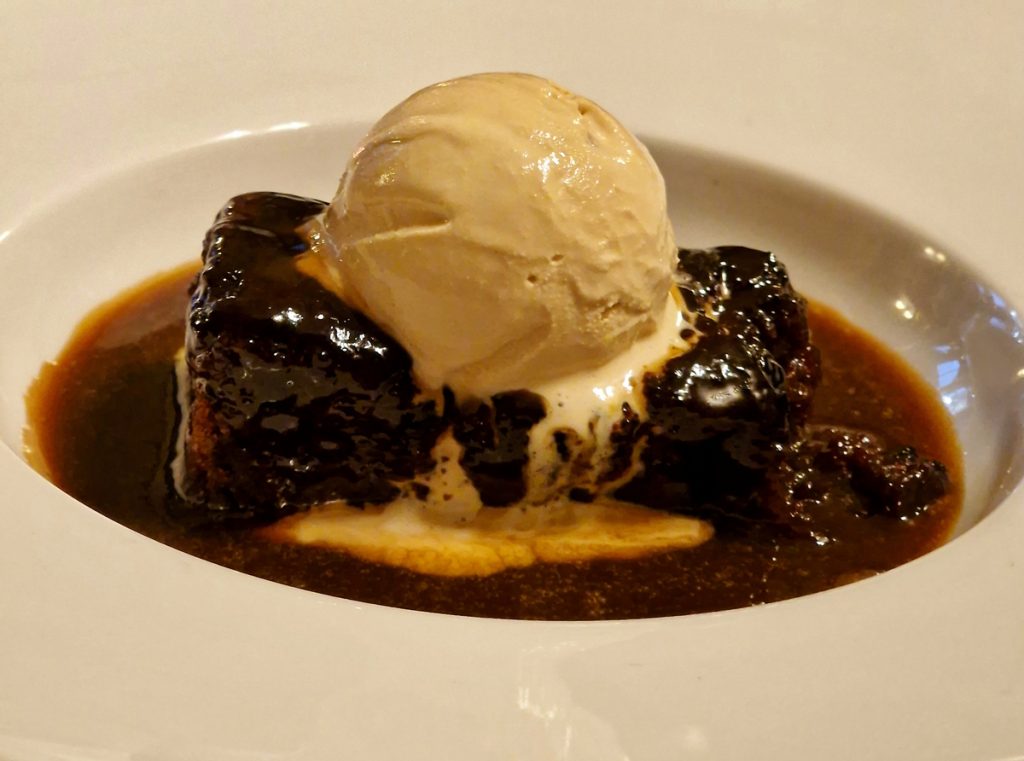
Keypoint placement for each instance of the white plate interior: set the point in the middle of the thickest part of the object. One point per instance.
(111, 634)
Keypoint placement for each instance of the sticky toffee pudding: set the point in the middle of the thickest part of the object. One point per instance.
(485, 380)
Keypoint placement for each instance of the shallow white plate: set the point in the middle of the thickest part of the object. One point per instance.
(125, 127)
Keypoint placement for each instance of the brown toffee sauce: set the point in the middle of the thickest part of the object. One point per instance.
(103, 422)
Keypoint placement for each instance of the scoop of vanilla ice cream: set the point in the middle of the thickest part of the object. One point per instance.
(505, 231)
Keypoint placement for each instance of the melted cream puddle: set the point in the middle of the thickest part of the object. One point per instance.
(404, 534)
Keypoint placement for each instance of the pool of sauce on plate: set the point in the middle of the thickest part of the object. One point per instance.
(103, 422)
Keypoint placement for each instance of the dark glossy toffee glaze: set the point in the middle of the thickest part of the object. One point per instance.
(296, 398)
(844, 501)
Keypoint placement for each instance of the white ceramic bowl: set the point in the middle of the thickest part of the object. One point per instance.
(115, 647)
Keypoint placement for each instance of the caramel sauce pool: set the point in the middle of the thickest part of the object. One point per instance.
(103, 423)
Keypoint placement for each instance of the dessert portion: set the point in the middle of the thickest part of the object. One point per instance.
(484, 380)
(487, 351)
